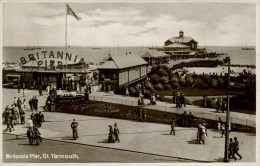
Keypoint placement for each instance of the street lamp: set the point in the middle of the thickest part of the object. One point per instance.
(226, 157)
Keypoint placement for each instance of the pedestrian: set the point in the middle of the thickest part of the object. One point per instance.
(218, 104)
(78, 91)
(74, 127)
(86, 93)
(219, 127)
(143, 115)
(23, 89)
(236, 148)
(224, 106)
(35, 103)
(229, 127)
(173, 124)
(22, 116)
(8, 121)
(177, 100)
(139, 101)
(116, 132)
(11, 121)
(41, 116)
(19, 87)
(142, 101)
(24, 103)
(31, 104)
(15, 101)
(199, 133)
(220, 120)
(190, 119)
(182, 100)
(184, 119)
(127, 92)
(48, 88)
(40, 90)
(111, 136)
(30, 123)
(16, 115)
(203, 133)
(19, 104)
(231, 149)
(222, 130)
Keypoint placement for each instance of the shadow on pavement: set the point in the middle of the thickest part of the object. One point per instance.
(217, 137)
(104, 141)
(166, 134)
(13, 139)
(194, 141)
(67, 138)
(220, 159)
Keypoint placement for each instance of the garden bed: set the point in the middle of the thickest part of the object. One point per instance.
(103, 109)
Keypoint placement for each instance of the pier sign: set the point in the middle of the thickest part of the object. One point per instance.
(51, 58)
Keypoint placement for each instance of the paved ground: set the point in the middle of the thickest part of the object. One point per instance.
(79, 153)
(137, 137)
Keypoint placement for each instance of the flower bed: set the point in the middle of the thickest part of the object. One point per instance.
(96, 108)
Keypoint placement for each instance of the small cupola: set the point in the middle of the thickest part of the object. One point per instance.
(181, 33)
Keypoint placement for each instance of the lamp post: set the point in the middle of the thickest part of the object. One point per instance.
(226, 157)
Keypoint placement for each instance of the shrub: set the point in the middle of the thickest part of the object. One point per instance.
(175, 85)
(174, 80)
(148, 85)
(204, 85)
(182, 81)
(220, 82)
(164, 80)
(162, 72)
(158, 86)
(214, 83)
(132, 90)
(197, 82)
(167, 87)
(206, 78)
(155, 78)
(189, 80)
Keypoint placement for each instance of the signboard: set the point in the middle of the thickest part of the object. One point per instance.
(51, 58)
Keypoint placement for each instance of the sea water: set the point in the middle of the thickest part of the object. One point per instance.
(98, 54)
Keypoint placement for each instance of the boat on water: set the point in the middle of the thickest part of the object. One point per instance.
(247, 48)
(29, 48)
(96, 48)
(37, 48)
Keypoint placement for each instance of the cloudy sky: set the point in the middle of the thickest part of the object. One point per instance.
(128, 24)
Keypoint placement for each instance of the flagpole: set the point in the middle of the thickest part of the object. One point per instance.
(66, 10)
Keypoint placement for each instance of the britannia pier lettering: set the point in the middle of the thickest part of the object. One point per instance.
(51, 58)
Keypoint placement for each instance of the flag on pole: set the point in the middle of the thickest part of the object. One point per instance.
(70, 12)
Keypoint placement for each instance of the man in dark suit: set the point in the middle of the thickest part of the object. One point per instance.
(173, 127)
(74, 127)
(116, 132)
(236, 147)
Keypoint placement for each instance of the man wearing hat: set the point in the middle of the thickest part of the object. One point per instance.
(173, 127)
(74, 127)
(116, 132)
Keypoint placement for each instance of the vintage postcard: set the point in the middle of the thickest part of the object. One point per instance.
(164, 82)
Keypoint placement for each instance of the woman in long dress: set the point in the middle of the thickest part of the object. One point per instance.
(111, 136)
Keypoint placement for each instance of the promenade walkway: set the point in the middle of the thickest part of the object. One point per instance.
(207, 113)
(138, 137)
